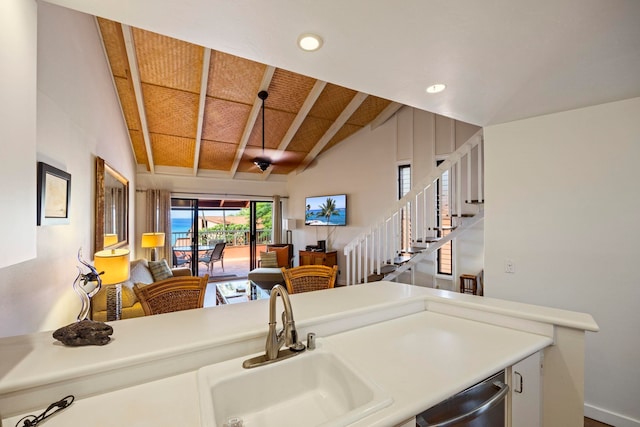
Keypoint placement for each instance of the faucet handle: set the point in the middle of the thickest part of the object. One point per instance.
(311, 341)
(296, 344)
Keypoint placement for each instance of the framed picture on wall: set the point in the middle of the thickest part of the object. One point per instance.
(54, 194)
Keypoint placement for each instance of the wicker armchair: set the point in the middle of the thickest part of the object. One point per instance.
(174, 294)
(306, 278)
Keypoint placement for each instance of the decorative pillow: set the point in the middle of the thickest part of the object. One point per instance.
(282, 254)
(160, 270)
(139, 272)
(268, 260)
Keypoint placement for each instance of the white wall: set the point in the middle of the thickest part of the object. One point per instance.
(563, 202)
(77, 118)
(18, 58)
(365, 168)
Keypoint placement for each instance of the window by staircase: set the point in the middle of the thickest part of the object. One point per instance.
(404, 186)
(443, 223)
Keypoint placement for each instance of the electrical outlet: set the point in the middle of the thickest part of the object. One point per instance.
(509, 266)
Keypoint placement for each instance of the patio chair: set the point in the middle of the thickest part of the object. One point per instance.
(174, 294)
(213, 255)
(180, 258)
(306, 278)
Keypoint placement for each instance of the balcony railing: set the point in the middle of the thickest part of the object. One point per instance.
(231, 237)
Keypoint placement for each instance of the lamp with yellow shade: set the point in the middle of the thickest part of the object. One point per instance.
(153, 241)
(110, 240)
(115, 265)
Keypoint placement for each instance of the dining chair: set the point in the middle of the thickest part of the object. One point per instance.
(174, 294)
(306, 278)
(213, 255)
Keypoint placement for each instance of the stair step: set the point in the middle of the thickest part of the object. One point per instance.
(447, 228)
(413, 250)
(399, 260)
(374, 278)
(388, 268)
(465, 215)
(427, 239)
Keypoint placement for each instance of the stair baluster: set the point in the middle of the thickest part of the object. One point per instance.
(372, 250)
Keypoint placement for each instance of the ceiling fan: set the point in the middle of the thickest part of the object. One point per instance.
(283, 159)
(262, 162)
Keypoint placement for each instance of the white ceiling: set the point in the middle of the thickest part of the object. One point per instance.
(501, 60)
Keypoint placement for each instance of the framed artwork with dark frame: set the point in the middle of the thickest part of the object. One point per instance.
(54, 194)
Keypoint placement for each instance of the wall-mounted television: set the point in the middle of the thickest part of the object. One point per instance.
(326, 210)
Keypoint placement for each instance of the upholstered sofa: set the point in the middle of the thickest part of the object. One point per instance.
(139, 272)
(268, 276)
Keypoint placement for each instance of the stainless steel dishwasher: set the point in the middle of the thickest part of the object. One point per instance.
(481, 405)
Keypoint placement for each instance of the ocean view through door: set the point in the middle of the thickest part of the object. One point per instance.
(215, 237)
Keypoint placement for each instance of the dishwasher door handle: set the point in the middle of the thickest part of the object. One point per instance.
(503, 389)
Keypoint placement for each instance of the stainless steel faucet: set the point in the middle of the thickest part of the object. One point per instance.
(287, 335)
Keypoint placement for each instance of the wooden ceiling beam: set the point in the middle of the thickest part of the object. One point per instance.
(251, 121)
(333, 129)
(204, 80)
(137, 89)
(385, 115)
(313, 96)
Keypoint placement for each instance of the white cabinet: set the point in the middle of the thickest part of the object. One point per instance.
(526, 392)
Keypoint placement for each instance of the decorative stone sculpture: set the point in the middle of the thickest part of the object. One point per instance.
(82, 286)
(84, 332)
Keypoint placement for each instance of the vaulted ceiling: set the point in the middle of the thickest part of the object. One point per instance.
(192, 110)
(502, 60)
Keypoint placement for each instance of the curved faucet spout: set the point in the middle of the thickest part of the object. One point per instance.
(288, 334)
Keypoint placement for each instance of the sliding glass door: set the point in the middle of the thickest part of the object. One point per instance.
(184, 233)
(199, 225)
(261, 231)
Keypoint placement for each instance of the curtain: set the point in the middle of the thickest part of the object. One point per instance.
(158, 219)
(114, 215)
(276, 221)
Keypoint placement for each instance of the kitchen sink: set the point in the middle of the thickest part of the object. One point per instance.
(314, 388)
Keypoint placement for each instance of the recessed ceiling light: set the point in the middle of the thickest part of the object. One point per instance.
(309, 42)
(436, 88)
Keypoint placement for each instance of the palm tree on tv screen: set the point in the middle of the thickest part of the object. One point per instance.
(328, 209)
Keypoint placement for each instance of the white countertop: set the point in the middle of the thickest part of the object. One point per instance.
(135, 380)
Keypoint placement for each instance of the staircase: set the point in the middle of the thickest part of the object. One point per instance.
(411, 230)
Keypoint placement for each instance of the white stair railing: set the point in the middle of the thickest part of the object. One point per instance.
(378, 246)
(431, 248)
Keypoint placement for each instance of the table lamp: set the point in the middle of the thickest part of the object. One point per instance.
(153, 241)
(290, 224)
(115, 264)
(110, 240)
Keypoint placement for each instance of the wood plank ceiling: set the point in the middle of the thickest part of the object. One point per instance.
(192, 110)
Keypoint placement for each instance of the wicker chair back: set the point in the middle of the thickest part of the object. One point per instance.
(174, 294)
(306, 278)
